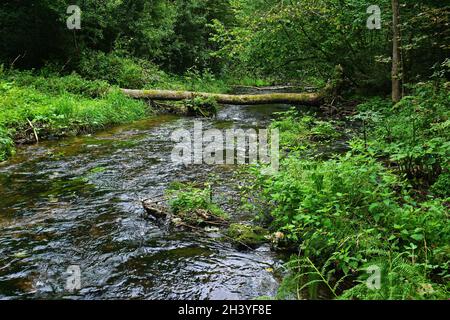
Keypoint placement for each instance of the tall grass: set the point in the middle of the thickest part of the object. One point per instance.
(59, 106)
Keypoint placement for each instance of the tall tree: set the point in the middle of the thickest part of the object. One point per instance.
(396, 54)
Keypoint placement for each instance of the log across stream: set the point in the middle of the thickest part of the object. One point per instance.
(310, 99)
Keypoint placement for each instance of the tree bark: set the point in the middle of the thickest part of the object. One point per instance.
(312, 99)
(396, 54)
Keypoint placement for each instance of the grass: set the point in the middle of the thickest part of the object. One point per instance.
(58, 106)
(134, 73)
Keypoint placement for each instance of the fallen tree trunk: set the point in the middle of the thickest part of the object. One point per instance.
(311, 99)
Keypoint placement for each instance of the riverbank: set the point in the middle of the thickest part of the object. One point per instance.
(42, 105)
(35, 108)
(369, 222)
(347, 199)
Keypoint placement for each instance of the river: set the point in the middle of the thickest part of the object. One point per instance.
(77, 202)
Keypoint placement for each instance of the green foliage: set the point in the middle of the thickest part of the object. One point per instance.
(6, 144)
(122, 71)
(59, 106)
(400, 280)
(296, 39)
(175, 34)
(137, 73)
(385, 202)
(205, 107)
(190, 45)
(339, 210)
(323, 200)
(135, 26)
(186, 200)
(413, 135)
(300, 132)
(442, 185)
(200, 80)
(305, 279)
(353, 211)
(54, 83)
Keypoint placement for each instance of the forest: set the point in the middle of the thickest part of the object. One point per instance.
(358, 92)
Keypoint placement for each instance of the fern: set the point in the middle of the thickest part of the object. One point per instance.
(400, 280)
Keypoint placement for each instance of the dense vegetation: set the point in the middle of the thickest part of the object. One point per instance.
(383, 201)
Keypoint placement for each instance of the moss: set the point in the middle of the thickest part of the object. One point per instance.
(247, 235)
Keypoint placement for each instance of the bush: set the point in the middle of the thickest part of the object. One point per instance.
(353, 211)
(442, 185)
(300, 132)
(342, 212)
(323, 201)
(413, 135)
(134, 73)
(125, 72)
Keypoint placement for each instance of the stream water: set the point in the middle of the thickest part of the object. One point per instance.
(77, 201)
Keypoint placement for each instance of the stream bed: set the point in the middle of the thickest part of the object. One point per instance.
(77, 202)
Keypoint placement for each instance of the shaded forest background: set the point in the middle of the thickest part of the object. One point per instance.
(281, 40)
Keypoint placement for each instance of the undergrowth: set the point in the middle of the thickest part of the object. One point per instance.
(383, 204)
(41, 106)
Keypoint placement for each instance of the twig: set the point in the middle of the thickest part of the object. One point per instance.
(34, 130)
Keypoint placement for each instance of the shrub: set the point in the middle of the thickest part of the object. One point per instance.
(442, 185)
(300, 132)
(118, 70)
(342, 212)
(413, 135)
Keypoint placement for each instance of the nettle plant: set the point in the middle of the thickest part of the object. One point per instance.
(300, 132)
(413, 136)
(337, 211)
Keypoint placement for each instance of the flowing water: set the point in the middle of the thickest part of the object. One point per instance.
(77, 201)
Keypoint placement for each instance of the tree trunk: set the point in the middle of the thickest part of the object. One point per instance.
(311, 99)
(396, 54)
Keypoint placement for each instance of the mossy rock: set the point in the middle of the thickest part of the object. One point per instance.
(245, 235)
